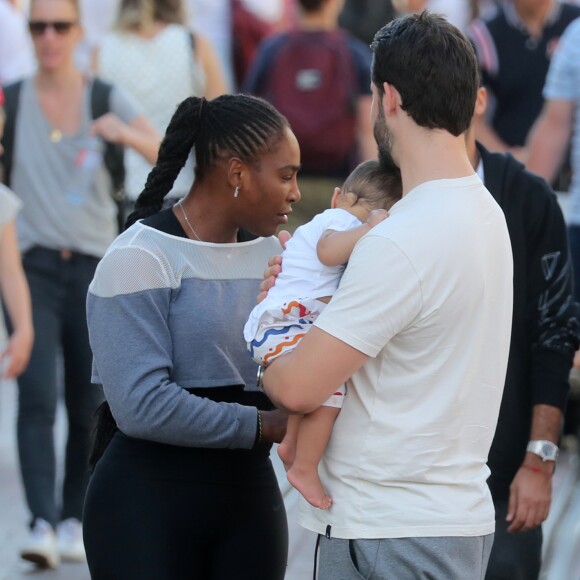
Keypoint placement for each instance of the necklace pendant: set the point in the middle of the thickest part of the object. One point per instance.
(55, 136)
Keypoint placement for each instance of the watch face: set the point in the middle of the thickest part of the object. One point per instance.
(547, 450)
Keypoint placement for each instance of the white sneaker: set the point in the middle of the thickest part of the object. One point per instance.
(40, 546)
(69, 536)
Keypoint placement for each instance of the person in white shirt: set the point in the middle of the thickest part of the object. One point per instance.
(314, 260)
(16, 52)
(419, 328)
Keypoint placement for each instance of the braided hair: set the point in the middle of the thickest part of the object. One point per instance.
(240, 125)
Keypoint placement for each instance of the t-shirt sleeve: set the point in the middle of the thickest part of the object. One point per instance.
(341, 221)
(9, 206)
(563, 79)
(378, 297)
(124, 105)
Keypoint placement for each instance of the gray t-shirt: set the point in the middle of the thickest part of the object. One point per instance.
(61, 179)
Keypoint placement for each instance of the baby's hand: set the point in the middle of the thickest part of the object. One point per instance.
(376, 216)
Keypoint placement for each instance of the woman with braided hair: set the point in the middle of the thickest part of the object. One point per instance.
(185, 489)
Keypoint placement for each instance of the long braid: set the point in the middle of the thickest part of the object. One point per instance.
(240, 125)
(180, 136)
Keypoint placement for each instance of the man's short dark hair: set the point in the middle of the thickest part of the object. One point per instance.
(433, 67)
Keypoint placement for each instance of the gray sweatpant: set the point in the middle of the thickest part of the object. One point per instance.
(441, 558)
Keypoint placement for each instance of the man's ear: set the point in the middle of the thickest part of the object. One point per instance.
(392, 100)
(480, 102)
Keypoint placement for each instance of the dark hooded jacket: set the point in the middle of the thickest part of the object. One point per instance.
(545, 327)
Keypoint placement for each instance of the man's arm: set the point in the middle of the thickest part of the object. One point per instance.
(549, 138)
(300, 381)
(553, 334)
(531, 488)
(378, 297)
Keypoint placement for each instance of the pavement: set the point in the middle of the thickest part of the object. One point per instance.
(13, 513)
(561, 530)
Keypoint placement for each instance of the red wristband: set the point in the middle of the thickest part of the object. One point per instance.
(534, 469)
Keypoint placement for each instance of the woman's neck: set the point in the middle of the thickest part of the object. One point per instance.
(65, 78)
(152, 30)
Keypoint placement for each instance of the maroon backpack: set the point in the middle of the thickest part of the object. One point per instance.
(313, 82)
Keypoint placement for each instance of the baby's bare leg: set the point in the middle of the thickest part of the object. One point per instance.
(287, 448)
(313, 436)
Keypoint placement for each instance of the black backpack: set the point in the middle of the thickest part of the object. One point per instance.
(113, 155)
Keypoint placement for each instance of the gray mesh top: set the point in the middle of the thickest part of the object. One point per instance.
(166, 313)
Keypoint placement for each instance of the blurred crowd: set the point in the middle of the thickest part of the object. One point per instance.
(100, 81)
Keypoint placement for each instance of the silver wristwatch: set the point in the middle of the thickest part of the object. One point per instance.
(547, 450)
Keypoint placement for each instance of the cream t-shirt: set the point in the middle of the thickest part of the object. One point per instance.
(427, 295)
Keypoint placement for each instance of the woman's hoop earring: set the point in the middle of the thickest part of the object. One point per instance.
(237, 191)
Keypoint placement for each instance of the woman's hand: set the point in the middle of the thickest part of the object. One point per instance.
(273, 426)
(110, 128)
(274, 268)
(17, 353)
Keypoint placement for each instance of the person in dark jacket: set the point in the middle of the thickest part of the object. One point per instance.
(545, 335)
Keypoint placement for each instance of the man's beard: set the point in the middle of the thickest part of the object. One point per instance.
(384, 139)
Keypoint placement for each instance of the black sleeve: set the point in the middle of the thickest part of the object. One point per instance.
(551, 313)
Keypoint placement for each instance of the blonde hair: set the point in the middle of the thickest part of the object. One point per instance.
(141, 14)
(75, 4)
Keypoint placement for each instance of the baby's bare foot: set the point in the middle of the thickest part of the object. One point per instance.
(286, 453)
(309, 485)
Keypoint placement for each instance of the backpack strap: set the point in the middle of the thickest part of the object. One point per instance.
(11, 101)
(114, 153)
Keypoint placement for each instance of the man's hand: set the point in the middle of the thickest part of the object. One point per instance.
(530, 497)
(274, 268)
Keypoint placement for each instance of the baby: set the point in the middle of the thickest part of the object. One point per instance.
(313, 263)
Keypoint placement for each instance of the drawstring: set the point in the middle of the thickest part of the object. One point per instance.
(316, 556)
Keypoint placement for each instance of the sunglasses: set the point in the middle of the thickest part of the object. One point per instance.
(38, 27)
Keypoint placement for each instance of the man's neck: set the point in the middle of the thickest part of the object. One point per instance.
(433, 155)
(472, 150)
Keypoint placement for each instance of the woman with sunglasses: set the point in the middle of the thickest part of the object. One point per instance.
(68, 220)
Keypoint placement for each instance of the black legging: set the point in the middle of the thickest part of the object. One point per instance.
(162, 512)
